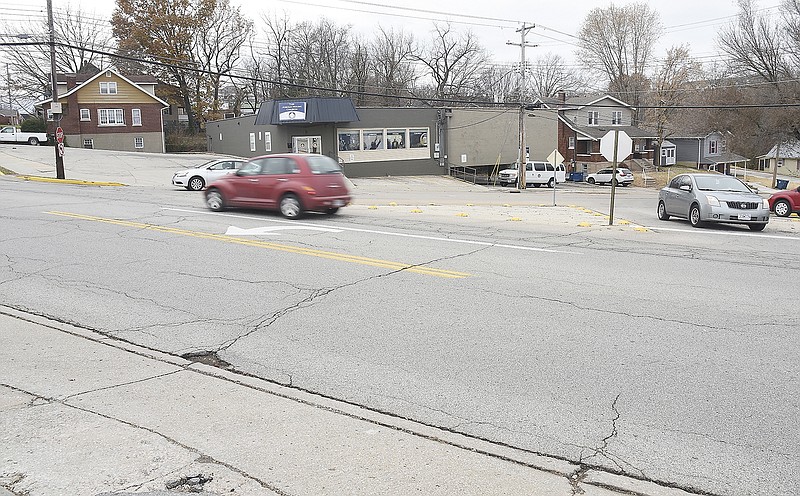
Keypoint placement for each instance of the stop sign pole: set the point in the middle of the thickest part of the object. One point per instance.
(609, 148)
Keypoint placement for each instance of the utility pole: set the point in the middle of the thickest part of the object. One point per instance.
(523, 158)
(57, 146)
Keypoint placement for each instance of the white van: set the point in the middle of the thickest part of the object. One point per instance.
(536, 173)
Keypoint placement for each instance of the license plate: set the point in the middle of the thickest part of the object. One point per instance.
(744, 217)
(340, 203)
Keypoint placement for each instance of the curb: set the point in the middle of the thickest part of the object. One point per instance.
(68, 181)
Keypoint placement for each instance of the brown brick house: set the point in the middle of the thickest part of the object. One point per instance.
(110, 111)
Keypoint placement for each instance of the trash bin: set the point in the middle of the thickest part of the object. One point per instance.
(781, 183)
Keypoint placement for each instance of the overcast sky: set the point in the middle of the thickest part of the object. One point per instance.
(495, 22)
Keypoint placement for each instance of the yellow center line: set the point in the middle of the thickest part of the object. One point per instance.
(273, 246)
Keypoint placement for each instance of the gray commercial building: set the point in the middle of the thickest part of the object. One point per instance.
(381, 141)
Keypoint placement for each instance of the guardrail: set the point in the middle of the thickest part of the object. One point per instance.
(464, 173)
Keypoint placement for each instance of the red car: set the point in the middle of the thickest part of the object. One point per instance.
(783, 203)
(292, 183)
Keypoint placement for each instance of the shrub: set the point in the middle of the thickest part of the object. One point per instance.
(34, 125)
(184, 141)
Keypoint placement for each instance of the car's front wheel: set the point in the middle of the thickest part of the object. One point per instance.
(782, 208)
(662, 211)
(757, 227)
(290, 206)
(694, 216)
(215, 200)
(196, 183)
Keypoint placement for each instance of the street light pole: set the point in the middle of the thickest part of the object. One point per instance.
(56, 116)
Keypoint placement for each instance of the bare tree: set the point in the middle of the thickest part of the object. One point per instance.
(618, 43)
(79, 46)
(453, 62)
(219, 49)
(671, 90)
(392, 63)
(755, 44)
(549, 75)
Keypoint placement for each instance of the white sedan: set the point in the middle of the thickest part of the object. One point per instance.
(604, 176)
(198, 177)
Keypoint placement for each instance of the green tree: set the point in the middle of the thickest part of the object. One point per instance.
(165, 31)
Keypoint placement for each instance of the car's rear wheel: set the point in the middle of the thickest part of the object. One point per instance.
(614, 182)
(662, 211)
(694, 216)
(215, 201)
(783, 209)
(590, 180)
(550, 183)
(757, 227)
(33, 140)
(196, 183)
(290, 206)
(332, 210)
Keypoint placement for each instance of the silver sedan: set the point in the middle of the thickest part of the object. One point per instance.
(703, 198)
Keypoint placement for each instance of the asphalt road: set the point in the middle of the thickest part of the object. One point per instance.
(647, 347)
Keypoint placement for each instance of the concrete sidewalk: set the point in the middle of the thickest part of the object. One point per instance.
(82, 414)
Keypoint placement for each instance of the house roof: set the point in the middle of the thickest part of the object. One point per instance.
(597, 132)
(723, 158)
(126, 79)
(313, 110)
(788, 150)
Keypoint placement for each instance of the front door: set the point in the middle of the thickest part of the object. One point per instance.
(307, 144)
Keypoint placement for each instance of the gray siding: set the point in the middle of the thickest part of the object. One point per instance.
(484, 137)
(153, 142)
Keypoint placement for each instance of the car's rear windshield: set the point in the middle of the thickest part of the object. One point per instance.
(320, 164)
(720, 183)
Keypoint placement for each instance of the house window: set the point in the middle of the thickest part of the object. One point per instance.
(267, 142)
(85, 115)
(616, 118)
(88, 143)
(571, 144)
(110, 117)
(108, 88)
(252, 142)
(138, 142)
(594, 117)
(136, 117)
(49, 115)
(712, 147)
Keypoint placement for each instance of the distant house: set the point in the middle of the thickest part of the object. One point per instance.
(709, 152)
(584, 120)
(786, 157)
(109, 111)
(9, 117)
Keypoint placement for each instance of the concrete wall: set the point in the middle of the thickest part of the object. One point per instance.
(153, 142)
(484, 137)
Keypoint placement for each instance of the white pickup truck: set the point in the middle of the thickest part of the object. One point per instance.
(10, 134)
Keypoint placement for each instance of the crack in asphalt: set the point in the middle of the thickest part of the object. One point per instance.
(175, 442)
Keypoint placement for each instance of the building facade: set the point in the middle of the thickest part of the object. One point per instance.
(109, 111)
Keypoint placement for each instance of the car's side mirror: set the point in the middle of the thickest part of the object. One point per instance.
(686, 187)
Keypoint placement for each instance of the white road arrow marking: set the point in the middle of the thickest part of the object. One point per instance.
(272, 231)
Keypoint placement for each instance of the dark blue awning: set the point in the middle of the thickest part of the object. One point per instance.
(314, 110)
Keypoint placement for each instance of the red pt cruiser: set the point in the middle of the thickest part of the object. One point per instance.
(292, 183)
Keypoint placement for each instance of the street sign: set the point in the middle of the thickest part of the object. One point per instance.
(60, 135)
(555, 158)
(624, 146)
(60, 149)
